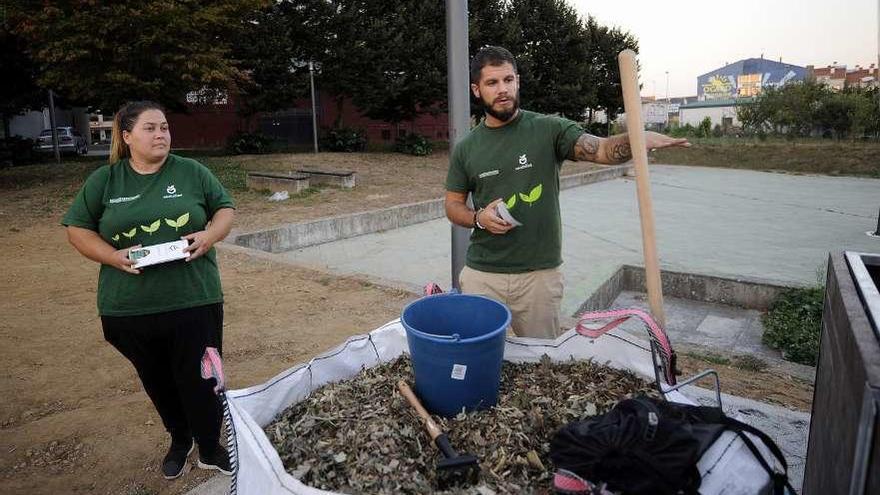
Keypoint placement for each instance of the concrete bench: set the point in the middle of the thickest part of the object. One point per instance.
(293, 183)
(342, 178)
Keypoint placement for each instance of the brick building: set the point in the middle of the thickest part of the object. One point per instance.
(210, 123)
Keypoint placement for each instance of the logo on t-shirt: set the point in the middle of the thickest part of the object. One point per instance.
(523, 162)
(171, 190)
(123, 199)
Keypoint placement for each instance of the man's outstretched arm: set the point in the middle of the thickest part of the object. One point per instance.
(615, 149)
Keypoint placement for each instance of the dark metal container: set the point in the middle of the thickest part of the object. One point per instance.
(843, 454)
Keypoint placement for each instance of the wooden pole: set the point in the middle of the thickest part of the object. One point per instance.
(632, 103)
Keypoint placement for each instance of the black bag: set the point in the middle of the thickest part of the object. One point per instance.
(648, 446)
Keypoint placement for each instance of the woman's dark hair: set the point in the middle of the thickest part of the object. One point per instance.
(490, 55)
(124, 121)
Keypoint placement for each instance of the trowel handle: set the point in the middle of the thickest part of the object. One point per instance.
(430, 425)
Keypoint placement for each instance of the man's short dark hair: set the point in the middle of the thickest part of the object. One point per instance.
(490, 55)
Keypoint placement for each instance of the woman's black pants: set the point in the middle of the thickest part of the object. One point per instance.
(166, 350)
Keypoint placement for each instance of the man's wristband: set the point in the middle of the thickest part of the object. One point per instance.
(477, 222)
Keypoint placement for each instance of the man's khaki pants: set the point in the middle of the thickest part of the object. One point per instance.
(533, 297)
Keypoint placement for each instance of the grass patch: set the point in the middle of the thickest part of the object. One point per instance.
(747, 362)
(227, 171)
(793, 324)
(813, 156)
(709, 357)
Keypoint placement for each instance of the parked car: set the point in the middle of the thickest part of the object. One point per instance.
(69, 141)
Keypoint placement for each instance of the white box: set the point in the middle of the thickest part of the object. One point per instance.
(158, 253)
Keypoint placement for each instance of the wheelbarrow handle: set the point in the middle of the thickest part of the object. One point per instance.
(430, 425)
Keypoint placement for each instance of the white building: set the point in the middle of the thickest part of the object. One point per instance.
(721, 112)
(30, 124)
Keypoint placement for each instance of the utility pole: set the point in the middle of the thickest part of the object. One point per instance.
(54, 127)
(459, 108)
(314, 117)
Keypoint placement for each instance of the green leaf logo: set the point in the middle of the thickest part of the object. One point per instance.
(533, 196)
(511, 202)
(180, 222)
(130, 233)
(152, 228)
(115, 237)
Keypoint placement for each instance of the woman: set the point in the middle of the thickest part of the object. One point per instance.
(162, 317)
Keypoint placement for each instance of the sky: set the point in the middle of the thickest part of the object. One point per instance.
(688, 38)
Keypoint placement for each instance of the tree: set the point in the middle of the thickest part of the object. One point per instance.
(547, 39)
(105, 53)
(275, 51)
(603, 69)
(389, 56)
(799, 109)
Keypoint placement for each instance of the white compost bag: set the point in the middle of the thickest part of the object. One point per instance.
(727, 467)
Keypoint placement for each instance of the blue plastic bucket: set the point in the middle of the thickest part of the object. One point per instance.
(456, 342)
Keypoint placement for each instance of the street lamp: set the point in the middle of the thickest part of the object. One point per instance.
(314, 118)
(667, 98)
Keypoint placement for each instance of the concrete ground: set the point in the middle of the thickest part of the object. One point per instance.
(724, 329)
(776, 227)
(728, 223)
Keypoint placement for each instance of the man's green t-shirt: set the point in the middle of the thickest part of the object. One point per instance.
(126, 208)
(518, 162)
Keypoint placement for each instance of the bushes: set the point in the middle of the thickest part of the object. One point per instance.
(793, 324)
(344, 139)
(242, 143)
(414, 144)
(17, 150)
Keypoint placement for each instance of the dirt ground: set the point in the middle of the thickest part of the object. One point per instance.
(383, 179)
(75, 418)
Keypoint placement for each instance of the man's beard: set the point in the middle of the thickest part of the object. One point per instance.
(503, 115)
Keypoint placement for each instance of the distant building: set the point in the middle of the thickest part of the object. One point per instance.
(722, 112)
(720, 91)
(746, 78)
(662, 112)
(29, 124)
(838, 77)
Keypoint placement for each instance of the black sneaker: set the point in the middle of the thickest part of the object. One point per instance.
(217, 459)
(175, 459)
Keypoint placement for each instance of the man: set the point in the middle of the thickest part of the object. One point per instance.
(513, 157)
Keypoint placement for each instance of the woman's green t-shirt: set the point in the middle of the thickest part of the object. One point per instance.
(127, 208)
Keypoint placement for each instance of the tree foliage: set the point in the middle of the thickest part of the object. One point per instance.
(397, 65)
(808, 108)
(387, 56)
(104, 53)
(275, 51)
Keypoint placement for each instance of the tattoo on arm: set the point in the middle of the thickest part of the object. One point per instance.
(618, 149)
(586, 148)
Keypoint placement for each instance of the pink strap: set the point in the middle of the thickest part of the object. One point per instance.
(212, 367)
(618, 316)
(432, 288)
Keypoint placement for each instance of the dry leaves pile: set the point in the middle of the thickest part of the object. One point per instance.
(361, 436)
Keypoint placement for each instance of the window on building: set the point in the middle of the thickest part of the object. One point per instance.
(748, 85)
(386, 134)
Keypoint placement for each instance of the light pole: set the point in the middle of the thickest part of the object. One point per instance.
(667, 98)
(459, 109)
(54, 127)
(314, 118)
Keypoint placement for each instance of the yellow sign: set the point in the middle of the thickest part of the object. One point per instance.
(718, 87)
